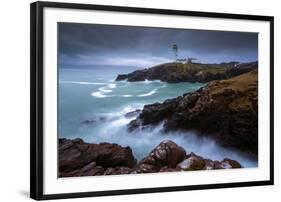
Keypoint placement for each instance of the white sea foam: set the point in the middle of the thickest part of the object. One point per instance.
(163, 86)
(82, 82)
(151, 81)
(131, 108)
(140, 82)
(112, 85)
(99, 94)
(149, 93)
(120, 122)
(103, 89)
(112, 125)
(124, 110)
(143, 141)
(127, 95)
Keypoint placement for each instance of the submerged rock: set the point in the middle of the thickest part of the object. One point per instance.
(88, 121)
(93, 121)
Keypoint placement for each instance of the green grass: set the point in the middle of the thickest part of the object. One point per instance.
(245, 87)
(195, 68)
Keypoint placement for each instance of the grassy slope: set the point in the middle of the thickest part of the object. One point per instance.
(194, 67)
(245, 85)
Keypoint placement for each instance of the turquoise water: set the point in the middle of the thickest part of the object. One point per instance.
(92, 106)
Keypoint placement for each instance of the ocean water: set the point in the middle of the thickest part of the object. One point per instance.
(92, 106)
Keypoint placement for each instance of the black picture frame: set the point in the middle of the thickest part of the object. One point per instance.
(36, 99)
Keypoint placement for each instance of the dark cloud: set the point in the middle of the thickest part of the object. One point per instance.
(98, 44)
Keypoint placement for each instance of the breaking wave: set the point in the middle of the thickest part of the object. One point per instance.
(108, 117)
(81, 82)
(114, 130)
(149, 93)
(99, 94)
(103, 91)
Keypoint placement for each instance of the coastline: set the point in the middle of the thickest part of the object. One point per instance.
(170, 113)
(77, 158)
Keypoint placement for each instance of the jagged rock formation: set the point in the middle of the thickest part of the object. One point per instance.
(77, 158)
(225, 109)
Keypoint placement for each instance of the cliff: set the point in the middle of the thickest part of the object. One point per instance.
(189, 72)
(224, 109)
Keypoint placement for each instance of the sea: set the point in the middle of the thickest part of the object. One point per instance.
(93, 106)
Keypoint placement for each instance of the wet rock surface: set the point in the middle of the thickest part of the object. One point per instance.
(167, 153)
(77, 158)
(133, 113)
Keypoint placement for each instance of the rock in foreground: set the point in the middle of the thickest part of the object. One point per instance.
(77, 158)
(225, 109)
(189, 72)
(166, 154)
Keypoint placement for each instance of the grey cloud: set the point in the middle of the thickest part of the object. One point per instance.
(78, 41)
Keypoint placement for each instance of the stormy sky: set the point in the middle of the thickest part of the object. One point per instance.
(109, 45)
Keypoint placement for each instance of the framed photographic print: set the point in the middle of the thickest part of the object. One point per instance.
(134, 100)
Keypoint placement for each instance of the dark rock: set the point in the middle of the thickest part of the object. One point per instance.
(89, 121)
(118, 171)
(226, 164)
(167, 153)
(90, 169)
(77, 158)
(225, 109)
(231, 163)
(93, 121)
(209, 164)
(168, 169)
(76, 155)
(217, 165)
(135, 124)
(143, 167)
(189, 72)
(102, 119)
(133, 113)
(121, 77)
(192, 162)
(195, 162)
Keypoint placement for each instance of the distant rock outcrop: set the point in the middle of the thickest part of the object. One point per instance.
(77, 158)
(189, 72)
(225, 109)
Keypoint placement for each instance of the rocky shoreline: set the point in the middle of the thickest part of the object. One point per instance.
(77, 158)
(226, 109)
(189, 72)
